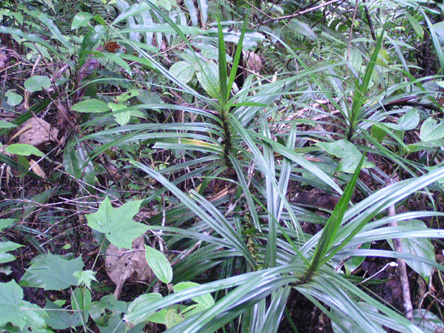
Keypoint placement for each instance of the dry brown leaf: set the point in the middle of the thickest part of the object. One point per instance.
(35, 167)
(4, 60)
(37, 132)
(254, 62)
(127, 265)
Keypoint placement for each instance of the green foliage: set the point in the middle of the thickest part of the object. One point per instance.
(159, 264)
(16, 311)
(51, 272)
(23, 149)
(117, 223)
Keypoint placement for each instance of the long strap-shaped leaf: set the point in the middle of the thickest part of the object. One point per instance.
(206, 211)
(333, 224)
(362, 88)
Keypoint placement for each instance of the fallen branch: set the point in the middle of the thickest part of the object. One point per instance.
(402, 269)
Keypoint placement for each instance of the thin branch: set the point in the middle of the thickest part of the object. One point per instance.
(369, 20)
(288, 17)
(403, 276)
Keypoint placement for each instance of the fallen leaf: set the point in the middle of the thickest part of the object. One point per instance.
(4, 60)
(254, 62)
(35, 167)
(123, 265)
(37, 132)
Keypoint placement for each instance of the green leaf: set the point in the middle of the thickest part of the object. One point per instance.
(117, 223)
(144, 300)
(208, 78)
(14, 310)
(122, 117)
(378, 133)
(355, 59)
(407, 122)
(81, 20)
(37, 83)
(427, 321)
(90, 42)
(4, 223)
(204, 302)
(91, 106)
(11, 298)
(346, 151)
(436, 42)
(60, 319)
(5, 124)
(361, 89)
(159, 264)
(49, 24)
(6, 247)
(131, 11)
(302, 28)
(13, 98)
(421, 247)
(72, 160)
(172, 318)
(431, 130)
(81, 299)
(415, 25)
(6, 257)
(222, 70)
(85, 277)
(23, 149)
(51, 272)
(330, 230)
(114, 57)
(183, 71)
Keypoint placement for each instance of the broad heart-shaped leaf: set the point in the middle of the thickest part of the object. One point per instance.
(431, 130)
(159, 264)
(121, 117)
(421, 247)
(13, 98)
(23, 149)
(204, 302)
(346, 151)
(117, 223)
(208, 77)
(91, 106)
(407, 122)
(143, 300)
(37, 83)
(183, 71)
(51, 272)
(172, 318)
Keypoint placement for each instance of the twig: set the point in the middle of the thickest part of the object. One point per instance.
(186, 253)
(403, 277)
(288, 17)
(369, 19)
